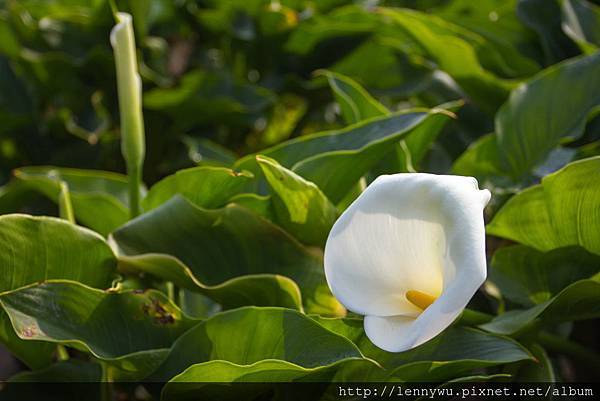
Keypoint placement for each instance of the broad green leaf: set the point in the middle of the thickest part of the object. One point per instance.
(353, 138)
(453, 49)
(355, 102)
(581, 22)
(34, 249)
(528, 277)
(299, 205)
(454, 352)
(131, 330)
(208, 187)
(525, 137)
(261, 334)
(202, 380)
(559, 212)
(579, 301)
(250, 289)
(99, 198)
(219, 245)
(336, 160)
(336, 172)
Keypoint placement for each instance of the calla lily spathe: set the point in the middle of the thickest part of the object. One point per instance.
(409, 254)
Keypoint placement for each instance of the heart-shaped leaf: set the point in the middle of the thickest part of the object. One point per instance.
(249, 289)
(456, 351)
(525, 140)
(528, 277)
(131, 330)
(278, 334)
(222, 244)
(336, 160)
(559, 212)
(34, 249)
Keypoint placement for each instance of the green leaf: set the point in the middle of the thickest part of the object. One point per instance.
(357, 105)
(99, 198)
(35, 354)
(219, 245)
(453, 49)
(509, 46)
(452, 353)
(344, 22)
(581, 22)
(259, 204)
(282, 335)
(299, 205)
(201, 380)
(208, 187)
(544, 18)
(250, 289)
(481, 159)
(559, 212)
(336, 172)
(579, 301)
(131, 330)
(530, 277)
(34, 249)
(336, 160)
(525, 138)
(539, 370)
(355, 102)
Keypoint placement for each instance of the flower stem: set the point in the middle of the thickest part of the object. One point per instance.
(62, 353)
(64, 203)
(569, 348)
(129, 88)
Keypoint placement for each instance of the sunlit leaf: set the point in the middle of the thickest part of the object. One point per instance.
(131, 330)
(300, 206)
(222, 244)
(559, 212)
(208, 187)
(527, 276)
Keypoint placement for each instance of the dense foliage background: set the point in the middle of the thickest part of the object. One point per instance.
(507, 91)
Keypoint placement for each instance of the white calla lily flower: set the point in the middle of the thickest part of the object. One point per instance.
(409, 254)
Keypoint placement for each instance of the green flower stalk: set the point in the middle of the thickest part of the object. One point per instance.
(130, 105)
